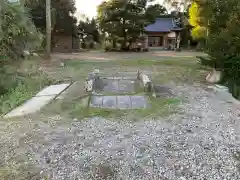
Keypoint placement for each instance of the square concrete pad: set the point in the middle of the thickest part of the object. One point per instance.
(53, 90)
(124, 102)
(110, 86)
(126, 86)
(119, 102)
(138, 102)
(115, 85)
(31, 106)
(96, 101)
(110, 102)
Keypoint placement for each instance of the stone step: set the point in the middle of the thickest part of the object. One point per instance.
(119, 102)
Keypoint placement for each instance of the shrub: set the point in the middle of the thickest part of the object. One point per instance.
(17, 32)
(91, 45)
(107, 46)
(223, 44)
(145, 49)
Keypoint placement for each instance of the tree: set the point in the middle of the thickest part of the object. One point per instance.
(62, 12)
(223, 45)
(197, 22)
(124, 20)
(48, 28)
(17, 32)
(89, 28)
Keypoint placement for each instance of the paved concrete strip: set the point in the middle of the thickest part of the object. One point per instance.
(31, 106)
(53, 90)
(40, 100)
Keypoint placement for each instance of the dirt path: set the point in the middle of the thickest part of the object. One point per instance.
(103, 56)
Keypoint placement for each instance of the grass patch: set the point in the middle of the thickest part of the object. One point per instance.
(164, 69)
(189, 62)
(179, 75)
(159, 107)
(24, 90)
(21, 85)
(171, 61)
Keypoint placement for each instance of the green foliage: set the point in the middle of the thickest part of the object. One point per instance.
(89, 29)
(17, 32)
(20, 87)
(126, 19)
(196, 21)
(62, 18)
(223, 43)
(107, 46)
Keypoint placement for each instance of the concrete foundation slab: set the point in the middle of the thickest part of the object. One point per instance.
(31, 106)
(124, 102)
(138, 102)
(96, 101)
(110, 102)
(53, 90)
(119, 102)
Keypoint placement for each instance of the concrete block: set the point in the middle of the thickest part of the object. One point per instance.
(53, 90)
(31, 106)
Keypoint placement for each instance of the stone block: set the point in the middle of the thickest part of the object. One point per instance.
(124, 102)
(53, 90)
(31, 106)
(138, 102)
(96, 101)
(110, 102)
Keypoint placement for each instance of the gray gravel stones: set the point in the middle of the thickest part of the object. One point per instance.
(202, 142)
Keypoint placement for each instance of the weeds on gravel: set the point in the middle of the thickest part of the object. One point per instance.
(19, 171)
(158, 107)
(170, 61)
(26, 85)
(164, 70)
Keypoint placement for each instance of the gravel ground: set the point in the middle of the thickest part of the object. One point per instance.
(199, 143)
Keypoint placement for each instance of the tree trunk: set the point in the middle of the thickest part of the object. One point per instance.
(114, 43)
(48, 29)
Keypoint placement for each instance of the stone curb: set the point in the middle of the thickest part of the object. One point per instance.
(90, 81)
(146, 83)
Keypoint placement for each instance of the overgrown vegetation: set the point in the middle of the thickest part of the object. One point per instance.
(20, 87)
(158, 107)
(17, 34)
(223, 46)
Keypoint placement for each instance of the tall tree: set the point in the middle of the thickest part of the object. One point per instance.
(89, 27)
(48, 29)
(62, 14)
(197, 22)
(126, 19)
(17, 32)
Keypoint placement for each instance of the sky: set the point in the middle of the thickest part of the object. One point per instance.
(89, 7)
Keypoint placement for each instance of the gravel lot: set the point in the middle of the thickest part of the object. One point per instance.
(199, 143)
